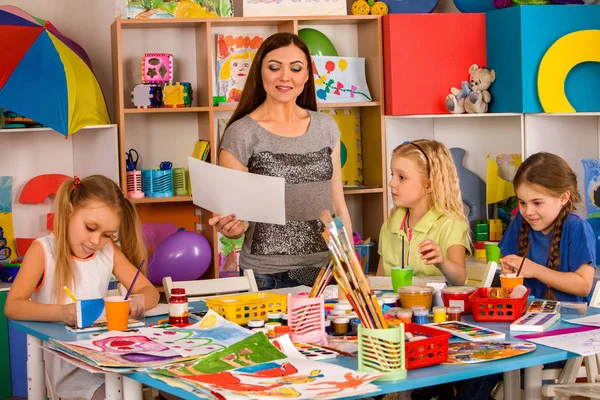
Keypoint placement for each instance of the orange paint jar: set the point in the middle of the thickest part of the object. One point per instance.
(415, 296)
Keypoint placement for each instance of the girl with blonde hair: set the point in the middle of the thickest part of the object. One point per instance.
(428, 215)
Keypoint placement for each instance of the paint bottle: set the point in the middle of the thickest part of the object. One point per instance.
(256, 323)
(389, 300)
(405, 315)
(271, 328)
(178, 307)
(327, 326)
(281, 330)
(354, 322)
(345, 307)
(333, 314)
(274, 317)
(439, 314)
(341, 325)
(421, 316)
(454, 313)
(415, 308)
(284, 319)
(263, 330)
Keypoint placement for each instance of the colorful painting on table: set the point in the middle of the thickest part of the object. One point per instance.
(235, 54)
(7, 235)
(152, 9)
(478, 352)
(340, 79)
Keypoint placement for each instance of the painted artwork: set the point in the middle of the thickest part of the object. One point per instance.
(288, 378)
(275, 8)
(591, 183)
(348, 121)
(157, 68)
(235, 54)
(478, 352)
(584, 341)
(7, 235)
(151, 9)
(340, 80)
(212, 333)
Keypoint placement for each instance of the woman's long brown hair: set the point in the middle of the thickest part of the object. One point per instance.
(550, 174)
(254, 93)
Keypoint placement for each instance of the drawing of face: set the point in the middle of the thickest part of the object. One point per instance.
(239, 70)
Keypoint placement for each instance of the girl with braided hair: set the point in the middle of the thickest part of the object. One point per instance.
(428, 214)
(561, 258)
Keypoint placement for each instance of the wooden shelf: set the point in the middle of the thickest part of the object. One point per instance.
(362, 191)
(319, 106)
(149, 200)
(165, 110)
(485, 115)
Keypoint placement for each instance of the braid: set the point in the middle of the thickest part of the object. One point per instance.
(554, 251)
(524, 237)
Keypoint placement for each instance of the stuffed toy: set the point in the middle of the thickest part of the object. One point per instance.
(473, 96)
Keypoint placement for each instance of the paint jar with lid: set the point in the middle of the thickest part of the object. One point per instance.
(284, 319)
(421, 316)
(416, 296)
(341, 325)
(274, 317)
(328, 326)
(458, 296)
(281, 330)
(405, 315)
(263, 330)
(354, 323)
(345, 307)
(256, 323)
(336, 313)
(454, 313)
(178, 307)
(439, 314)
(389, 300)
(271, 327)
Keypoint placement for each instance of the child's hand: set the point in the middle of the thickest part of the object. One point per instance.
(511, 263)
(69, 314)
(431, 253)
(228, 226)
(136, 310)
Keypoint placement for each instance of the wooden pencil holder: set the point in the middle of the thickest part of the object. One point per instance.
(306, 319)
(381, 351)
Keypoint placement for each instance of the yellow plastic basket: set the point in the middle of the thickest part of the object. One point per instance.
(240, 308)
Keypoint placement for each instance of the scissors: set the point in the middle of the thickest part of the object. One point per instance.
(132, 159)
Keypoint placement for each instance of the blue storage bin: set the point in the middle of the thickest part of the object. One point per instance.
(157, 183)
(362, 251)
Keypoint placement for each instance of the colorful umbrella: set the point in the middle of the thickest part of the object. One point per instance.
(46, 76)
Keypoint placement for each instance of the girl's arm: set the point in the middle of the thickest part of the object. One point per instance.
(337, 192)
(19, 307)
(453, 267)
(124, 271)
(578, 283)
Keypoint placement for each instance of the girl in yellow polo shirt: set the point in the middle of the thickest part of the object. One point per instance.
(428, 214)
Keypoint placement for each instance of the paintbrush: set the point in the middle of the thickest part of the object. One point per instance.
(343, 353)
(134, 279)
(523, 260)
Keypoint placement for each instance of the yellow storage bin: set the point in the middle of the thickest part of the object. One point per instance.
(240, 308)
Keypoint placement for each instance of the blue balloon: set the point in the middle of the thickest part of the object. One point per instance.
(184, 256)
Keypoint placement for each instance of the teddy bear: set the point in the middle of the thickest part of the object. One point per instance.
(473, 96)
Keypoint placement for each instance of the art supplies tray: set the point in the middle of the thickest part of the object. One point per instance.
(240, 308)
(431, 350)
(534, 322)
(488, 309)
(472, 333)
(543, 306)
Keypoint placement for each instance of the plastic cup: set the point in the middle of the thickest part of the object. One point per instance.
(401, 277)
(509, 281)
(117, 312)
(492, 252)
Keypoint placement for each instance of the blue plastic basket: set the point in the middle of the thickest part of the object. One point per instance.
(157, 183)
(362, 251)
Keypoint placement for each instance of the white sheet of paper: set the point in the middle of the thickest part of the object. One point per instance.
(225, 191)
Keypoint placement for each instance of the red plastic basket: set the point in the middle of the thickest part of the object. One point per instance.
(486, 309)
(425, 352)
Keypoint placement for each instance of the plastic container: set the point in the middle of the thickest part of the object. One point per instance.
(281, 330)
(271, 328)
(382, 351)
(346, 308)
(487, 309)
(180, 184)
(363, 252)
(306, 319)
(256, 323)
(421, 316)
(341, 325)
(157, 183)
(439, 314)
(415, 296)
(405, 315)
(134, 185)
(458, 296)
(454, 313)
(242, 307)
(178, 307)
(425, 352)
(274, 317)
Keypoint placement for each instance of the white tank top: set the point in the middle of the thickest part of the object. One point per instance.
(91, 281)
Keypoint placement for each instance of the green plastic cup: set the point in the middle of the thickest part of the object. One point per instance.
(492, 252)
(401, 277)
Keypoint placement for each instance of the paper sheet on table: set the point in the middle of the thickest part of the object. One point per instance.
(250, 197)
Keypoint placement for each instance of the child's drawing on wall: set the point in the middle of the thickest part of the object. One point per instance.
(234, 58)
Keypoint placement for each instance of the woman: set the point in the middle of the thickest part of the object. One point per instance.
(277, 131)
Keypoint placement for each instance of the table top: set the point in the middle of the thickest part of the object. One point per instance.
(422, 377)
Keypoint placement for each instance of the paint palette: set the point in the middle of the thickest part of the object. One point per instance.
(544, 306)
(472, 333)
(315, 352)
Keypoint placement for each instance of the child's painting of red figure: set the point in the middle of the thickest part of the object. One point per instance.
(235, 54)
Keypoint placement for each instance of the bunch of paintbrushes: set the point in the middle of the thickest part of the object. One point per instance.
(322, 280)
(348, 273)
